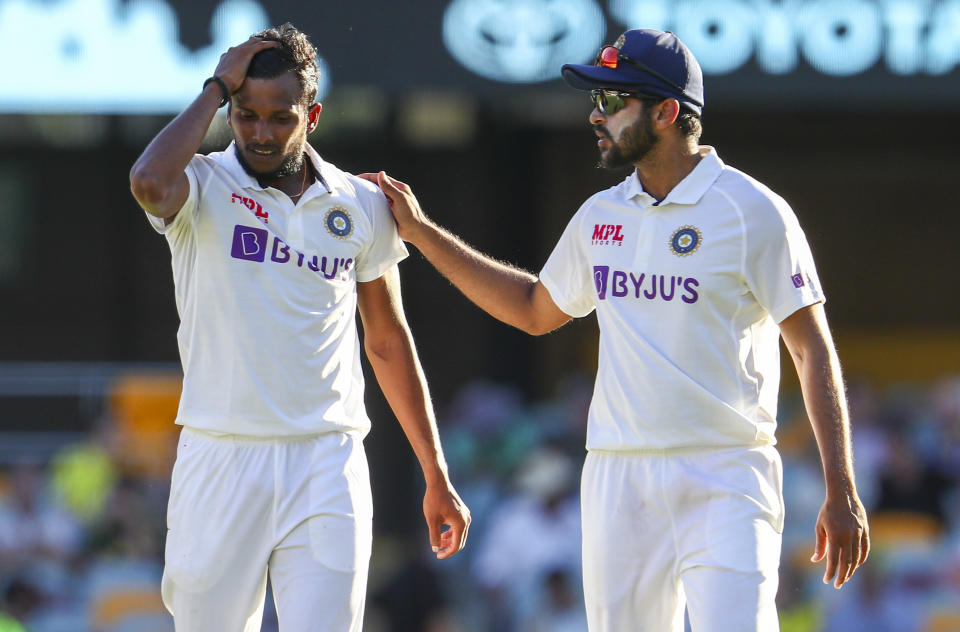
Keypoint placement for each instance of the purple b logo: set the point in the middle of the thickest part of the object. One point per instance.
(797, 281)
(249, 243)
(600, 274)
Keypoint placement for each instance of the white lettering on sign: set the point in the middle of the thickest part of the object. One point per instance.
(104, 56)
(522, 41)
(836, 37)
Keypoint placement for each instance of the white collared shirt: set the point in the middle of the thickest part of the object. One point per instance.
(688, 294)
(267, 295)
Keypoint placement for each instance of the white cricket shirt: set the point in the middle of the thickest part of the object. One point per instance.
(688, 294)
(267, 296)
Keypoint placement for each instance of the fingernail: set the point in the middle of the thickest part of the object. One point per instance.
(436, 548)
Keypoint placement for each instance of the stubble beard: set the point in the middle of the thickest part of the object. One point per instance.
(291, 164)
(636, 142)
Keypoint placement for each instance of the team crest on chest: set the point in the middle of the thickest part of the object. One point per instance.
(685, 241)
(338, 222)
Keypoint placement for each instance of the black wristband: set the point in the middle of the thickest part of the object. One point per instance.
(223, 89)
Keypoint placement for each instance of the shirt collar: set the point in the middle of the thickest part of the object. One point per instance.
(321, 168)
(691, 188)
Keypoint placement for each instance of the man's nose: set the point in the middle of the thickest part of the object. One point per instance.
(261, 133)
(597, 117)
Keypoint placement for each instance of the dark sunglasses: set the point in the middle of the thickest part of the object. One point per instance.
(610, 57)
(612, 101)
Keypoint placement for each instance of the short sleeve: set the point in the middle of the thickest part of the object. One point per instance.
(779, 267)
(384, 248)
(189, 207)
(567, 274)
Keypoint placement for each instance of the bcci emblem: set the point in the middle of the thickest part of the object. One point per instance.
(338, 222)
(685, 241)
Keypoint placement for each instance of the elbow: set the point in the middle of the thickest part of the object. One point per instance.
(534, 327)
(380, 348)
(146, 188)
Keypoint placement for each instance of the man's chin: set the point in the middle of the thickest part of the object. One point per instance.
(612, 162)
(272, 171)
(244, 161)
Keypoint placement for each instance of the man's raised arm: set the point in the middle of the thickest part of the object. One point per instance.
(157, 179)
(507, 293)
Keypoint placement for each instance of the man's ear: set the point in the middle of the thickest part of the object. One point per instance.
(667, 113)
(313, 116)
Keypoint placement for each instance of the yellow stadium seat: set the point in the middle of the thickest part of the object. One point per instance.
(116, 606)
(943, 621)
(144, 406)
(898, 529)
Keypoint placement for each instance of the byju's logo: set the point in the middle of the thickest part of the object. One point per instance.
(252, 244)
(249, 243)
(600, 275)
(642, 285)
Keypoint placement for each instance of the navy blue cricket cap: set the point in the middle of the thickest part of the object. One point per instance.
(644, 60)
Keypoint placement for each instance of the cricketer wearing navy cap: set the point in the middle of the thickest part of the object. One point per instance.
(649, 61)
(695, 271)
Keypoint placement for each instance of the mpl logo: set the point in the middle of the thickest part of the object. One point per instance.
(249, 244)
(253, 205)
(607, 235)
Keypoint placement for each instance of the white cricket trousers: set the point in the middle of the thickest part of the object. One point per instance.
(664, 530)
(240, 506)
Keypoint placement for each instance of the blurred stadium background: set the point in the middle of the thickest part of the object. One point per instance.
(848, 108)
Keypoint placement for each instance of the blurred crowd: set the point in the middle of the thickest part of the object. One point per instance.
(81, 533)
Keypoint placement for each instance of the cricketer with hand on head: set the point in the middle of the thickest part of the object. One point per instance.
(274, 251)
(695, 270)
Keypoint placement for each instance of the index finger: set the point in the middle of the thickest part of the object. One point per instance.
(833, 561)
(396, 184)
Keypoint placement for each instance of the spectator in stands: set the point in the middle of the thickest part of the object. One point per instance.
(34, 529)
(532, 534)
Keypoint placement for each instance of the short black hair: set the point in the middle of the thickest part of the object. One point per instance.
(295, 54)
(688, 122)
